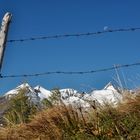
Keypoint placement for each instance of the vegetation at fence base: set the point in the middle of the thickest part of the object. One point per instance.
(60, 122)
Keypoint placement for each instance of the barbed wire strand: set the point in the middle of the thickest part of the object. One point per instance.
(72, 72)
(74, 35)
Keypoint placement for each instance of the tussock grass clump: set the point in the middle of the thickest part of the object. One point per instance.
(19, 109)
(58, 122)
(67, 123)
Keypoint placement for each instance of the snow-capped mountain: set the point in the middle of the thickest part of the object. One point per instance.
(30, 92)
(109, 86)
(16, 90)
(68, 92)
(42, 92)
(108, 94)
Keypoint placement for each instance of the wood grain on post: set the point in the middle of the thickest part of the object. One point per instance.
(3, 35)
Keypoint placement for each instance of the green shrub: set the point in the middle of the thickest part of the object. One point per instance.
(20, 109)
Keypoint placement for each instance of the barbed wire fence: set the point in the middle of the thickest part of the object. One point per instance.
(73, 35)
(73, 72)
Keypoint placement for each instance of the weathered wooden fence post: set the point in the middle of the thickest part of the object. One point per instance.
(3, 35)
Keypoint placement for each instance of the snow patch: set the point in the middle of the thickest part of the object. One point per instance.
(42, 92)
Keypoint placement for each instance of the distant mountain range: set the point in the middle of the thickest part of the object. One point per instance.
(108, 94)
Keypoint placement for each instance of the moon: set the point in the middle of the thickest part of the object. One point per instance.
(105, 28)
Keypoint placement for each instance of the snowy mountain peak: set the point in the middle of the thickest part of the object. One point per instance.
(42, 92)
(16, 90)
(40, 88)
(110, 86)
(68, 90)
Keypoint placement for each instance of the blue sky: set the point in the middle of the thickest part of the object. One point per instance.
(51, 17)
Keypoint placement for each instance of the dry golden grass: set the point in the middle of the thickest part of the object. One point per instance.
(67, 123)
(49, 124)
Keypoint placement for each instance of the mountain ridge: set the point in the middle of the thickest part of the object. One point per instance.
(70, 96)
